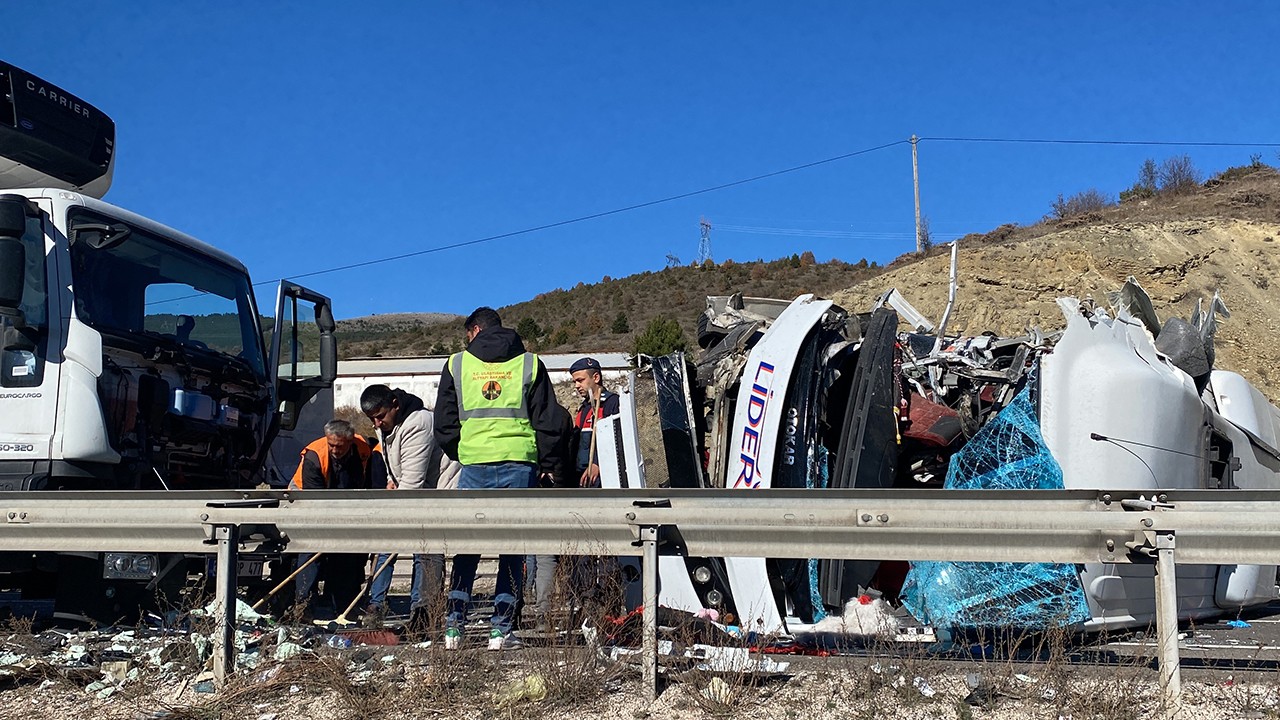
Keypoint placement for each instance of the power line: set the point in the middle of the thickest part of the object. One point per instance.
(744, 181)
(826, 234)
(1052, 141)
(594, 216)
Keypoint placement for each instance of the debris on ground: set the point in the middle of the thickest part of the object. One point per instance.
(718, 691)
(531, 687)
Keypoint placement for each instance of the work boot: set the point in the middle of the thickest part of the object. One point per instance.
(419, 622)
(374, 617)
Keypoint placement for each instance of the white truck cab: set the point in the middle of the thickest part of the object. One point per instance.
(132, 356)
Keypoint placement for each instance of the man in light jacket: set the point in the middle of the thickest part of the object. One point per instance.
(406, 439)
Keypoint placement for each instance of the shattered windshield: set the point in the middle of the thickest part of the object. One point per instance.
(150, 286)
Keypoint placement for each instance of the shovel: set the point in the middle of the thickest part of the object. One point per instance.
(595, 417)
(341, 620)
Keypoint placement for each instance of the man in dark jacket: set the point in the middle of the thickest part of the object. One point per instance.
(495, 413)
(598, 402)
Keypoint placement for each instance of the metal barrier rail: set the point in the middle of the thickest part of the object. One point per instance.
(1211, 527)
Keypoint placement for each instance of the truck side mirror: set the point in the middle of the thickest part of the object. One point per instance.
(13, 254)
(328, 343)
(328, 358)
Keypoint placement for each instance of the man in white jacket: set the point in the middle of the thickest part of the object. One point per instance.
(406, 439)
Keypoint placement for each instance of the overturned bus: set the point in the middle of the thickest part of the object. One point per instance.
(803, 394)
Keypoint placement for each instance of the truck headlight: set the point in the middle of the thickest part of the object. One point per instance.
(128, 566)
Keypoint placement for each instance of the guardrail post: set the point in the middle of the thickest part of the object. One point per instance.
(649, 633)
(224, 646)
(1167, 624)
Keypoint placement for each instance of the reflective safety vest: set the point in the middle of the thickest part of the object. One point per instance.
(494, 408)
(321, 449)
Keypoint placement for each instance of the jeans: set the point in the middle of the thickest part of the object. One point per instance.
(428, 578)
(490, 476)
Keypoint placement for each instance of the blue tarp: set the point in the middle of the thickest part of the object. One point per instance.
(1008, 453)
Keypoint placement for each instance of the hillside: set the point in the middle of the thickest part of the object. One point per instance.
(586, 317)
(1179, 249)
(1221, 235)
(375, 330)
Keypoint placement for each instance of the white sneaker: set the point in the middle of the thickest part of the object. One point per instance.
(452, 639)
(498, 641)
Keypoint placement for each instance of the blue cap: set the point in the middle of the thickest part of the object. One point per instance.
(585, 363)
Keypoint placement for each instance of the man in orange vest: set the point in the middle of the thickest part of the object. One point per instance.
(337, 461)
(330, 464)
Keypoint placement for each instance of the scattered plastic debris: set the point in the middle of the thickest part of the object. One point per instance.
(718, 691)
(116, 670)
(863, 615)
(244, 612)
(923, 686)
(1237, 624)
(204, 648)
(709, 658)
(286, 650)
(532, 688)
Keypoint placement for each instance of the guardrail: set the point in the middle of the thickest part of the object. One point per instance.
(1195, 527)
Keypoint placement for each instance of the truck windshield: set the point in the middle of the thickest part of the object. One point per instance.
(150, 285)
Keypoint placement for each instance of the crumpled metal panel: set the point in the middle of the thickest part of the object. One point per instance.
(1009, 453)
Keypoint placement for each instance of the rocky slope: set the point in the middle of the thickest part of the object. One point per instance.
(1009, 286)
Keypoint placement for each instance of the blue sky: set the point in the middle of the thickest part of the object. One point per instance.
(307, 135)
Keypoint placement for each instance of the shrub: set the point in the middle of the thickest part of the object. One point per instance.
(662, 336)
(1147, 184)
(1089, 201)
(1178, 175)
(620, 325)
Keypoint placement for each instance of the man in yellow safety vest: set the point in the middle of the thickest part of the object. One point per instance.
(495, 413)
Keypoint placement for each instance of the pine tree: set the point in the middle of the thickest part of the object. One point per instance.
(662, 336)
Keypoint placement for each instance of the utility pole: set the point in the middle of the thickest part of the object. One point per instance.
(915, 181)
(704, 247)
